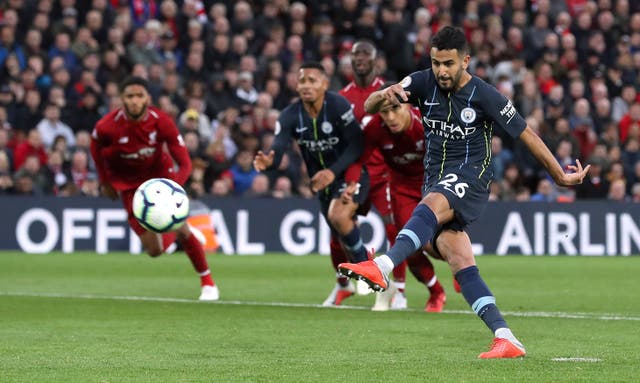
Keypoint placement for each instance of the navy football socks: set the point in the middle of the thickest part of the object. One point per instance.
(415, 233)
(353, 243)
(479, 297)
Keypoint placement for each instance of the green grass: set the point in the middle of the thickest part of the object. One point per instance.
(66, 318)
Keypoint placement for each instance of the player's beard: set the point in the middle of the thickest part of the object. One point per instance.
(454, 81)
(363, 70)
(135, 116)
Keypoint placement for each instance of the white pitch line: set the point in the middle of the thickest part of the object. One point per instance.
(526, 314)
(577, 359)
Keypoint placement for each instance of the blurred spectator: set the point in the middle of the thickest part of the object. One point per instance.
(243, 172)
(31, 170)
(9, 45)
(617, 191)
(500, 157)
(630, 123)
(195, 184)
(88, 114)
(28, 113)
(282, 188)
(51, 126)
(595, 186)
(79, 167)
(139, 51)
(31, 146)
(90, 186)
(54, 173)
(246, 91)
(544, 192)
(259, 187)
(7, 102)
(221, 188)
(622, 103)
(635, 192)
(5, 137)
(62, 49)
(511, 182)
(6, 176)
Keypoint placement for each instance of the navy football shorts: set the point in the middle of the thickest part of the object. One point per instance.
(467, 192)
(335, 191)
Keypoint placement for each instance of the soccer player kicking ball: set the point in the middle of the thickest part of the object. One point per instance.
(128, 148)
(458, 115)
(330, 139)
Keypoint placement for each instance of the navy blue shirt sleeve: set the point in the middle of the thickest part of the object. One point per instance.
(352, 134)
(283, 134)
(416, 84)
(502, 111)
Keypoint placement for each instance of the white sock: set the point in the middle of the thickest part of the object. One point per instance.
(400, 285)
(506, 333)
(385, 264)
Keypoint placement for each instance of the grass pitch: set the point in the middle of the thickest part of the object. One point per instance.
(85, 317)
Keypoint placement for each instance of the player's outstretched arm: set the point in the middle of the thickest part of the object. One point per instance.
(546, 158)
(394, 94)
(262, 161)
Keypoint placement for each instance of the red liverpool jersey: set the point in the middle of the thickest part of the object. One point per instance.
(128, 152)
(403, 152)
(357, 96)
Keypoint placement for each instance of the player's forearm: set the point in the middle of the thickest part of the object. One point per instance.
(374, 102)
(99, 161)
(349, 156)
(181, 156)
(540, 151)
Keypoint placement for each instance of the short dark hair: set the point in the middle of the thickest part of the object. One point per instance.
(368, 42)
(133, 80)
(449, 38)
(313, 65)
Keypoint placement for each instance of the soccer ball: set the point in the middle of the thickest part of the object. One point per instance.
(160, 205)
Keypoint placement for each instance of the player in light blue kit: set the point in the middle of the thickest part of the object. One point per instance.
(459, 112)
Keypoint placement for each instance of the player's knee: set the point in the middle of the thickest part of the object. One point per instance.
(155, 252)
(340, 220)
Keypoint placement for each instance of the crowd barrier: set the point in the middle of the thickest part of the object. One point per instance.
(259, 225)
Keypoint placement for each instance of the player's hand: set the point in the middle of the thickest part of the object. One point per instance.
(262, 161)
(395, 94)
(322, 179)
(349, 191)
(108, 191)
(569, 179)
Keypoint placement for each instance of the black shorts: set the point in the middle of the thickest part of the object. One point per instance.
(335, 191)
(467, 190)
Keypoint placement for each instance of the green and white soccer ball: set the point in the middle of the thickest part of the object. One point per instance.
(160, 205)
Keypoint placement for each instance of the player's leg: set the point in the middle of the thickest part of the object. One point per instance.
(195, 251)
(455, 246)
(340, 217)
(343, 288)
(423, 270)
(380, 196)
(404, 198)
(154, 244)
(433, 208)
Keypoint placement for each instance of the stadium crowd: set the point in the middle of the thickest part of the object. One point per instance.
(224, 70)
